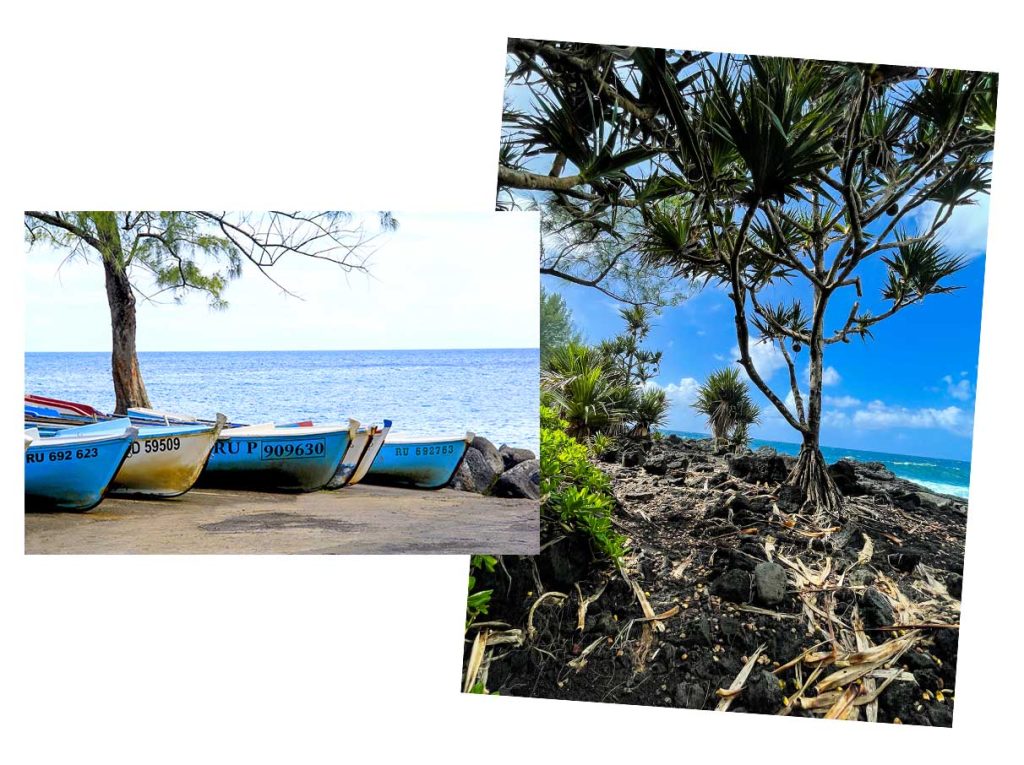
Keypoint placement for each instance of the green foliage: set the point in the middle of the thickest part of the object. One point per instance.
(650, 411)
(478, 603)
(600, 443)
(556, 326)
(575, 494)
(724, 399)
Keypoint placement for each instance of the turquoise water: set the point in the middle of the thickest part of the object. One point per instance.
(491, 392)
(945, 476)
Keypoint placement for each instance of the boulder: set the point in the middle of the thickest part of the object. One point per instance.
(511, 456)
(610, 454)
(475, 473)
(761, 466)
(769, 584)
(522, 481)
(762, 693)
(875, 609)
(632, 457)
(733, 585)
(656, 464)
(904, 559)
(486, 448)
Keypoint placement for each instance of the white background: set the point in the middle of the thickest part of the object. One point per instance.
(386, 106)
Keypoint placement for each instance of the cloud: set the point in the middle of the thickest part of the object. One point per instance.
(683, 392)
(829, 376)
(841, 402)
(766, 357)
(966, 233)
(879, 415)
(959, 389)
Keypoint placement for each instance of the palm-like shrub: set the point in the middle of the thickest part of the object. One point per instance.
(725, 400)
(577, 384)
(650, 411)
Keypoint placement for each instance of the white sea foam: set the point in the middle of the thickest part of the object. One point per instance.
(916, 464)
(943, 488)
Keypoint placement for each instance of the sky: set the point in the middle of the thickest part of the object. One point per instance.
(909, 390)
(440, 281)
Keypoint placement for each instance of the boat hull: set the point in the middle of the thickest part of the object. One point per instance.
(287, 459)
(72, 474)
(164, 466)
(372, 450)
(350, 461)
(420, 463)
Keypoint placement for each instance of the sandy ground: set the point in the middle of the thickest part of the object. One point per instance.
(360, 519)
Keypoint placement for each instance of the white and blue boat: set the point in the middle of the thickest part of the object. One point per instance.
(278, 457)
(72, 472)
(359, 456)
(164, 461)
(426, 462)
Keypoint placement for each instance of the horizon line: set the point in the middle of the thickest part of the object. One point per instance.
(312, 350)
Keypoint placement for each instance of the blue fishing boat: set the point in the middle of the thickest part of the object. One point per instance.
(423, 462)
(277, 457)
(72, 472)
(163, 461)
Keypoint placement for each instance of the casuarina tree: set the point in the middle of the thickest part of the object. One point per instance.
(148, 254)
(789, 184)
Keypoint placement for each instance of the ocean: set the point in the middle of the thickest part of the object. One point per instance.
(945, 476)
(490, 392)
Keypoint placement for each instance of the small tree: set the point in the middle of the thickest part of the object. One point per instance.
(649, 412)
(191, 251)
(556, 325)
(757, 172)
(725, 400)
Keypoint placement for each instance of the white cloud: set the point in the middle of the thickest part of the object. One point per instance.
(959, 389)
(683, 392)
(879, 415)
(841, 402)
(829, 375)
(767, 358)
(966, 232)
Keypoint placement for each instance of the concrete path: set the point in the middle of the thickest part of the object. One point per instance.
(360, 519)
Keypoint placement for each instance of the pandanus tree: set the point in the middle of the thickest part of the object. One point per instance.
(147, 254)
(766, 177)
(725, 400)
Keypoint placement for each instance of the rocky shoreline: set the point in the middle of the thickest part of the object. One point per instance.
(503, 471)
(731, 597)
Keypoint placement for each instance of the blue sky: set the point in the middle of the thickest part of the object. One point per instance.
(909, 390)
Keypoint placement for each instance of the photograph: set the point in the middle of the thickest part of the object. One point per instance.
(281, 382)
(761, 294)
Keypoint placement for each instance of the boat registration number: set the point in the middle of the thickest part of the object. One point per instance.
(154, 445)
(292, 450)
(62, 455)
(424, 451)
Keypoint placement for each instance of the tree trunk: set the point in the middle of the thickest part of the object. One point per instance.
(811, 476)
(129, 389)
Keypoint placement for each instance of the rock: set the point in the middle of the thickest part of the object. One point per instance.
(954, 585)
(512, 456)
(762, 694)
(860, 577)
(766, 467)
(605, 624)
(522, 481)
(769, 584)
(940, 715)
(674, 440)
(690, 696)
(632, 457)
(656, 464)
(486, 448)
(875, 609)
(733, 585)
(668, 654)
(844, 473)
(610, 455)
(475, 473)
(904, 559)
(566, 562)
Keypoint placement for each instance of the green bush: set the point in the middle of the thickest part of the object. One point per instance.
(478, 602)
(574, 493)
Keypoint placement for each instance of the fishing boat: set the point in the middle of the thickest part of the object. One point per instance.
(278, 457)
(163, 461)
(73, 472)
(423, 462)
(359, 456)
(372, 450)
